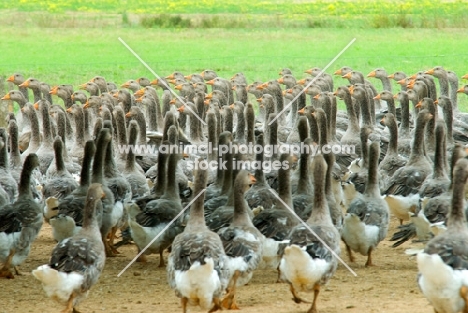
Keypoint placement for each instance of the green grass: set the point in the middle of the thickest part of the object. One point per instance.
(73, 56)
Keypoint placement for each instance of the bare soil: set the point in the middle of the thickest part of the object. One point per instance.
(390, 286)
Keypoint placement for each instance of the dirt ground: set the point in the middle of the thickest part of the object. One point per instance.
(390, 286)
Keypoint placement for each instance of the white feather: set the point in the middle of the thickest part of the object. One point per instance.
(359, 236)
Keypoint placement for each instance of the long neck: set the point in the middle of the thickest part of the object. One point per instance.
(46, 127)
(405, 116)
(250, 117)
(152, 116)
(160, 185)
(448, 118)
(284, 187)
(172, 187)
(35, 133)
(132, 139)
(97, 176)
(140, 118)
(444, 86)
(440, 157)
(37, 94)
(453, 92)
(314, 129)
(259, 174)
(121, 130)
(333, 118)
(227, 179)
(89, 214)
(353, 121)
(417, 150)
(110, 168)
(241, 216)
(320, 212)
(197, 216)
(365, 111)
(228, 120)
(393, 144)
(15, 156)
(24, 187)
(79, 125)
(456, 217)
(4, 153)
(304, 185)
(240, 128)
(85, 175)
(195, 127)
(391, 106)
(59, 163)
(372, 187)
(323, 130)
(386, 84)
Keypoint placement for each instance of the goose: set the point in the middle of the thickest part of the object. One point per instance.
(35, 138)
(45, 151)
(392, 160)
(243, 243)
(408, 179)
(404, 133)
(307, 263)
(442, 266)
(146, 224)
(381, 74)
(197, 265)
(20, 222)
(18, 79)
(15, 156)
(77, 262)
(8, 183)
(367, 218)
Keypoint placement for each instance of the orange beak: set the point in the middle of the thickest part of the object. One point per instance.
(25, 83)
(371, 74)
(260, 87)
(231, 106)
(280, 80)
(209, 96)
(116, 95)
(11, 78)
(289, 90)
(351, 89)
(413, 76)
(335, 92)
(202, 74)
(465, 76)
(70, 110)
(6, 97)
(129, 114)
(431, 115)
(36, 105)
(181, 109)
(125, 85)
(301, 81)
(139, 99)
(348, 76)
(418, 105)
(140, 92)
(54, 90)
(82, 86)
(395, 96)
(436, 102)
(252, 179)
(402, 82)
(172, 101)
(338, 72)
(309, 71)
(382, 120)
(410, 85)
(178, 87)
(259, 99)
(188, 77)
(207, 102)
(210, 82)
(317, 96)
(86, 105)
(461, 89)
(301, 111)
(377, 97)
(430, 72)
(391, 76)
(172, 81)
(154, 82)
(233, 87)
(170, 76)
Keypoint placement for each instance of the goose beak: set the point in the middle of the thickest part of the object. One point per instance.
(413, 76)
(401, 82)
(185, 155)
(465, 76)
(395, 96)
(301, 82)
(170, 76)
(377, 97)
(260, 99)
(461, 89)
(24, 84)
(202, 74)
(140, 92)
(181, 109)
(70, 110)
(382, 121)
(6, 97)
(431, 116)
(391, 76)
(172, 81)
(178, 87)
(233, 87)
(309, 71)
(335, 93)
(436, 102)
(418, 106)
(172, 101)
(128, 114)
(125, 85)
(210, 82)
(72, 97)
(139, 99)
(54, 90)
(231, 106)
(280, 80)
(338, 72)
(252, 179)
(36, 105)
(206, 102)
(301, 111)
(209, 96)
(317, 96)
(154, 82)
(348, 76)
(371, 74)
(430, 72)
(188, 77)
(284, 92)
(115, 95)
(86, 105)
(103, 195)
(11, 78)
(82, 86)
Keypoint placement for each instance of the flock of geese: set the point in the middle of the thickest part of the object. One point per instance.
(63, 164)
